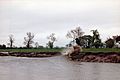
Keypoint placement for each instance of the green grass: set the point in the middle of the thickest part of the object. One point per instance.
(59, 50)
(31, 50)
(101, 50)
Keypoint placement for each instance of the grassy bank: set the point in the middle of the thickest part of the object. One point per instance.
(31, 50)
(101, 50)
(59, 50)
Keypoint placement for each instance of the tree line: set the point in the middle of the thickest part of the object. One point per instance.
(77, 36)
(94, 41)
(28, 41)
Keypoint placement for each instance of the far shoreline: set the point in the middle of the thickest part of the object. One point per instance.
(101, 57)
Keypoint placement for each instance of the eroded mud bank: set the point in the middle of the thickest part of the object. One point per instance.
(29, 54)
(105, 57)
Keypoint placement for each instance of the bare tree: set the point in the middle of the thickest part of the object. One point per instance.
(29, 39)
(11, 41)
(36, 44)
(75, 33)
(52, 39)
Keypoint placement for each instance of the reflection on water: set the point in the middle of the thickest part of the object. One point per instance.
(55, 68)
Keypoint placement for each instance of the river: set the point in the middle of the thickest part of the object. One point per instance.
(55, 68)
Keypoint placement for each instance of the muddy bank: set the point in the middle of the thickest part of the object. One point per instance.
(103, 57)
(30, 54)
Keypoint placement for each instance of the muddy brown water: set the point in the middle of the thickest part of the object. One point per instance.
(55, 68)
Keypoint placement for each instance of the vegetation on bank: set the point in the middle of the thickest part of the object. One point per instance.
(94, 50)
(32, 50)
(90, 43)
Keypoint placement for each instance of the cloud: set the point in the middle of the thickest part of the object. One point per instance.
(42, 17)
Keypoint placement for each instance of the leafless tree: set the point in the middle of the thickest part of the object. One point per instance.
(36, 44)
(11, 41)
(52, 39)
(29, 39)
(75, 33)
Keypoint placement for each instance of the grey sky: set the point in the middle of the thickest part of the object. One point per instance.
(42, 17)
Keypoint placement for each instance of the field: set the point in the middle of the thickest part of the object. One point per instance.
(59, 50)
(101, 50)
(31, 50)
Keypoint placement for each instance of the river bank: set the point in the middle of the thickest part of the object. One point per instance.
(102, 57)
(29, 54)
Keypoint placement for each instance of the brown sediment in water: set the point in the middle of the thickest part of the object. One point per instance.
(30, 54)
(103, 57)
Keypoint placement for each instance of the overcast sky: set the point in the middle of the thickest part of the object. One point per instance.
(43, 17)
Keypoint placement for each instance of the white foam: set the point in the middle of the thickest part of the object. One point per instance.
(67, 51)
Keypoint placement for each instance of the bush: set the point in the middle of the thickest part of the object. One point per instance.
(109, 43)
(3, 46)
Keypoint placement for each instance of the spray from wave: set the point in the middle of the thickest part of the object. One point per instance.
(72, 51)
(67, 51)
